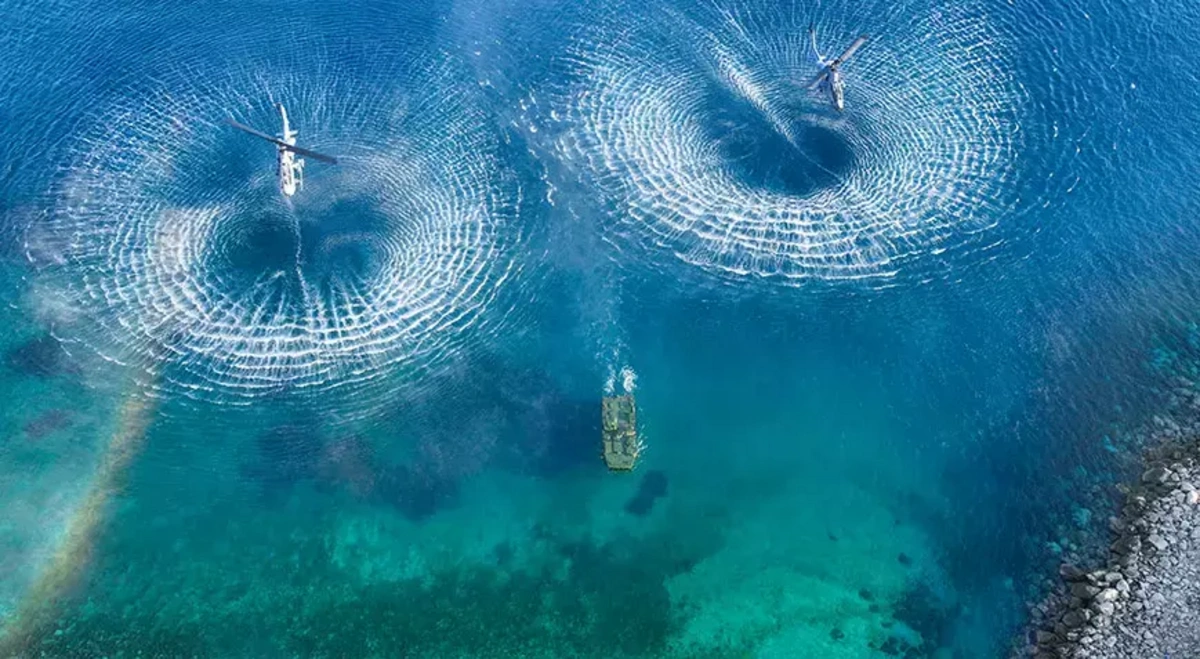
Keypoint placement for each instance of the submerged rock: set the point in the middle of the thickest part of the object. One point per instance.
(1071, 573)
(1156, 475)
(1084, 590)
(1075, 618)
(1127, 545)
(1044, 637)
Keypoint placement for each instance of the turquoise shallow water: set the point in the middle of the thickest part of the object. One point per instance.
(888, 362)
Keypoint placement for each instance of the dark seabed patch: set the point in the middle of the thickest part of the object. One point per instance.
(930, 616)
(417, 491)
(42, 357)
(349, 464)
(559, 434)
(285, 456)
(47, 422)
(652, 487)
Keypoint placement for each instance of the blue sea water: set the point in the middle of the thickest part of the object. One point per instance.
(889, 363)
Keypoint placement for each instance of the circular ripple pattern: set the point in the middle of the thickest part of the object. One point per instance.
(176, 249)
(699, 129)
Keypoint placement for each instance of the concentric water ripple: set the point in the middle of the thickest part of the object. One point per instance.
(699, 131)
(172, 247)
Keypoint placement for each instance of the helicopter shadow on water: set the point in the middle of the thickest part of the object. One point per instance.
(797, 155)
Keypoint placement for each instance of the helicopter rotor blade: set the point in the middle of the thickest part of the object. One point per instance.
(311, 154)
(851, 50)
(817, 79)
(283, 145)
(258, 134)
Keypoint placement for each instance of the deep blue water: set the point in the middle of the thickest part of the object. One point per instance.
(889, 362)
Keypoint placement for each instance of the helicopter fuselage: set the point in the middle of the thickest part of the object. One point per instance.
(830, 75)
(291, 168)
(837, 89)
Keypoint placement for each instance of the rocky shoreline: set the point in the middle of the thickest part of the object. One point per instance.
(1145, 601)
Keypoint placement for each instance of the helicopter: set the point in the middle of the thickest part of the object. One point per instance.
(830, 75)
(290, 168)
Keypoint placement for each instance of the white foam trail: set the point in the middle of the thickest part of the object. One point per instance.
(920, 159)
(166, 220)
(628, 380)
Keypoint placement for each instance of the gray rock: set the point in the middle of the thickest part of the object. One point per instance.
(1046, 638)
(1076, 618)
(1127, 545)
(1147, 602)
